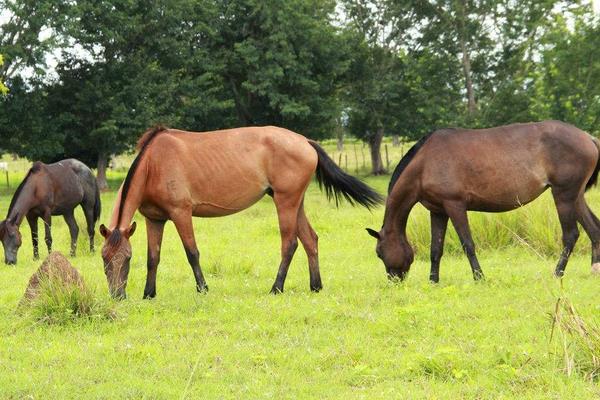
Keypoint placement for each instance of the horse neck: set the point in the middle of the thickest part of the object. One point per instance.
(399, 204)
(24, 202)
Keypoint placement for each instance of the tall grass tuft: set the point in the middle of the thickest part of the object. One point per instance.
(59, 304)
(579, 340)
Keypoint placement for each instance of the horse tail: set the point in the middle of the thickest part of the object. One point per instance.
(97, 204)
(594, 178)
(337, 183)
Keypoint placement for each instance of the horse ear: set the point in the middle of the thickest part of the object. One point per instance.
(14, 219)
(131, 230)
(373, 233)
(104, 231)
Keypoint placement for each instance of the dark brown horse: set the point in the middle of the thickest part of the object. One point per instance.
(51, 189)
(451, 171)
(178, 174)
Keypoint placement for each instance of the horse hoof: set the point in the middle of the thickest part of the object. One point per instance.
(276, 290)
(596, 268)
(202, 289)
(316, 289)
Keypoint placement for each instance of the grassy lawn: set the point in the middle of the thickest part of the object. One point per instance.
(361, 337)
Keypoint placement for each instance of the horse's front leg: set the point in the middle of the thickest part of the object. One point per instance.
(458, 215)
(183, 222)
(47, 218)
(567, 215)
(439, 222)
(32, 220)
(154, 230)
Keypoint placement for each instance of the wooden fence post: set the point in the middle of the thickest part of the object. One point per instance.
(355, 158)
(387, 157)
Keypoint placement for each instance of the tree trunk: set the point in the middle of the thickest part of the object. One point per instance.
(466, 60)
(101, 176)
(339, 135)
(466, 64)
(375, 147)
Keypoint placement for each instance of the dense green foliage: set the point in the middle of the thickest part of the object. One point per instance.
(372, 67)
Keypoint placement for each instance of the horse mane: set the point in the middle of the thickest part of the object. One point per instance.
(37, 166)
(142, 145)
(410, 154)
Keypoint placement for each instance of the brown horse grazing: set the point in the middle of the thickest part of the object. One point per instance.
(51, 189)
(178, 174)
(451, 171)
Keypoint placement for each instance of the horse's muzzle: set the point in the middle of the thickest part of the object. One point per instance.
(396, 274)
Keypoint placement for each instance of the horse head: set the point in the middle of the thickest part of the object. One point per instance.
(11, 239)
(116, 253)
(395, 252)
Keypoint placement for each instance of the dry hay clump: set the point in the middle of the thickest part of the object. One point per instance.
(56, 294)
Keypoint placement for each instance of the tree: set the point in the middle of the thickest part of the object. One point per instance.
(30, 32)
(375, 86)
(568, 83)
(136, 72)
(282, 63)
(495, 43)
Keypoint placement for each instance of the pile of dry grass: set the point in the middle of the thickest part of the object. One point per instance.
(57, 294)
(579, 340)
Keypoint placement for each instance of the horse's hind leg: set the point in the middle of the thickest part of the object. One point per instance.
(33, 226)
(73, 231)
(185, 228)
(47, 218)
(309, 240)
(567, 214)
(590, 224)
(88, 211)
(458, 215)
(439, 223)
(287, 212)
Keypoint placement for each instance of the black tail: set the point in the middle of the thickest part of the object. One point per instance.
(337, 183)
(97, 204)
(594, 178)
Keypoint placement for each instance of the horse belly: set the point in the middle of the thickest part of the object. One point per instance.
(227, 205)
(506, 197)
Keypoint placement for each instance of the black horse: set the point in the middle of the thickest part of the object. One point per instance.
(51, 189)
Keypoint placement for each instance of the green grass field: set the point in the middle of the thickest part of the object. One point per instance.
(361, 337)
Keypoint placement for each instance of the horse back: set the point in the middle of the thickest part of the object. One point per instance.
(498, 169)
(65, 184)
(223, 172)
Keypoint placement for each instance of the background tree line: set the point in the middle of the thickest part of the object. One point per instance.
(319, 67)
